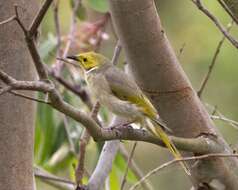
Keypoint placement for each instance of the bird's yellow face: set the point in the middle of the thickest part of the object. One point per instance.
(88, 60)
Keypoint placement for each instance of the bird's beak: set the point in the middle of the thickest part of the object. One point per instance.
(73, 57)
(68, 62)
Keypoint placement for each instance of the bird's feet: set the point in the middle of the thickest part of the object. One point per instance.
(122, 125)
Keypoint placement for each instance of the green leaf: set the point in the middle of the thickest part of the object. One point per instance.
(99, 5)
(38, 142)
(46, 126)
(114, 179)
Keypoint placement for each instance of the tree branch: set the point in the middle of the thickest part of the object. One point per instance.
(28, 97)
(13, 84)
(39, 17)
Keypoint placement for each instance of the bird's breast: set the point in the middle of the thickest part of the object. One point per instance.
(98, 85)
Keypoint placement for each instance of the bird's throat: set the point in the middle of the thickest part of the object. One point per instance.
(89, 70)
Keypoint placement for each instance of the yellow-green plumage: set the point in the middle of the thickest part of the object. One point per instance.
(120, 94)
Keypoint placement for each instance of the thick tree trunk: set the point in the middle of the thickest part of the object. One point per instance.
(157, 71)
(16, 114)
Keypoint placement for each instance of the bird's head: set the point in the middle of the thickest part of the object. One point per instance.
(89, 60)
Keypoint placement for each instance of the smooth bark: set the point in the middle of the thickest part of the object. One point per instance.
(16, 114)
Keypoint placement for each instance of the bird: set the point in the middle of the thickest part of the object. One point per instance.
(117, 91)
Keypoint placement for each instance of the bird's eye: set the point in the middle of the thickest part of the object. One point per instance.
(85, 59)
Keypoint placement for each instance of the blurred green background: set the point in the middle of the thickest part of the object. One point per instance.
(186, 28)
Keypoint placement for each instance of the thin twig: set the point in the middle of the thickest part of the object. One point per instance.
(201, 7)
(58, 179)
(79, 172)
(228, 11)
(206, 156)
(128, 165)
(222, 117)
(116, 53)
(207, 76)
(17, 18)
(229, 121)
(29, 98)
(39, 17)
(135, 169)
(58, 182)
(8, 20)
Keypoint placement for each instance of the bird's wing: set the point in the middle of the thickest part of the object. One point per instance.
(125, 88)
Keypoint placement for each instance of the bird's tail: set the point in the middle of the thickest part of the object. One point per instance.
(158, 131)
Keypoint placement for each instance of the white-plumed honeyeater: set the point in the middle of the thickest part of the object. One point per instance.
(120, 94)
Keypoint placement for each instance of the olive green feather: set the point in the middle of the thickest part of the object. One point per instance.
(128, 90)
